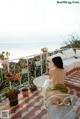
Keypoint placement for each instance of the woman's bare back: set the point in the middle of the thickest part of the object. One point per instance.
(57, 75)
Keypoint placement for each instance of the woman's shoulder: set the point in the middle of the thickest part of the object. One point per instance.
(57, 70)
(52, 69)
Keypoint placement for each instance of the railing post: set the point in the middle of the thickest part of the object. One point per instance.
(20, 81)
(35, 72)
(46, 61)
(41, 64)
(10, 84)
(28, 71)
(1, 75)
(8, 65)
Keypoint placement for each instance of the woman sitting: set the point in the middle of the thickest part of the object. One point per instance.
(55, 83)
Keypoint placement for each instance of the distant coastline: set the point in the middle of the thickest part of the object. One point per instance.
(32, 45)
(19, 53)
(18, 50)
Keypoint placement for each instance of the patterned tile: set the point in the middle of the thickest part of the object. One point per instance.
(32, 107)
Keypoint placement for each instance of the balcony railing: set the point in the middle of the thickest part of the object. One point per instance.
(21, 72)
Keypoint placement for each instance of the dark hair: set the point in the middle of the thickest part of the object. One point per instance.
(58, 62)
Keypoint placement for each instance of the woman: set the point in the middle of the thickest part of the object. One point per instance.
(55, 84)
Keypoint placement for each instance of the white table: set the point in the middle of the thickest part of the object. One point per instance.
(39, 81)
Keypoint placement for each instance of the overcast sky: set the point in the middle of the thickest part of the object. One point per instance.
(19, 17)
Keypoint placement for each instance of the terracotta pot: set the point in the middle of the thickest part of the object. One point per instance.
(13, 97)
(25, 92)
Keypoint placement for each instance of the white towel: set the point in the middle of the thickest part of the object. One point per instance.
(48, 84)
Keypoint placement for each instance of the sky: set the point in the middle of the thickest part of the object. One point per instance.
(23, 18)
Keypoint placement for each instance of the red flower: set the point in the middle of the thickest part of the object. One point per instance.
(27, 65)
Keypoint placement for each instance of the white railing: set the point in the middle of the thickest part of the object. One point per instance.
(37, 68)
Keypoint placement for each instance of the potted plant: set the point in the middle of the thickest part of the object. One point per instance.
(33, 88)
(25, 92)
(12, 95)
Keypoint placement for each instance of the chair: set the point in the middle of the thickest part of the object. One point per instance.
(61, 110)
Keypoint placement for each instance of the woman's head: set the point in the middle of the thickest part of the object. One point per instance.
(58, 62)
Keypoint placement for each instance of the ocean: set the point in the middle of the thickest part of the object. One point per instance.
(21, 47)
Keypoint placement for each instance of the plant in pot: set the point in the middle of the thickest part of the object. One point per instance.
(25, 92)
(12, 95)
(32, 87)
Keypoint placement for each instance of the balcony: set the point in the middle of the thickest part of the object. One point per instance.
(29, 68)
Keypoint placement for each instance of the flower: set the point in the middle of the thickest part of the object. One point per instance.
(27, 65)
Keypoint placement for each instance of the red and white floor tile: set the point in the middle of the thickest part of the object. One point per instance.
(32, 107)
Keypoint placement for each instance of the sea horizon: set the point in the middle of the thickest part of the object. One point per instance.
(18, 52)
(22, 46)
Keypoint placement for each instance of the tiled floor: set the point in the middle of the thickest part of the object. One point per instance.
(32, 107)
(73, 80)
(29, 108)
